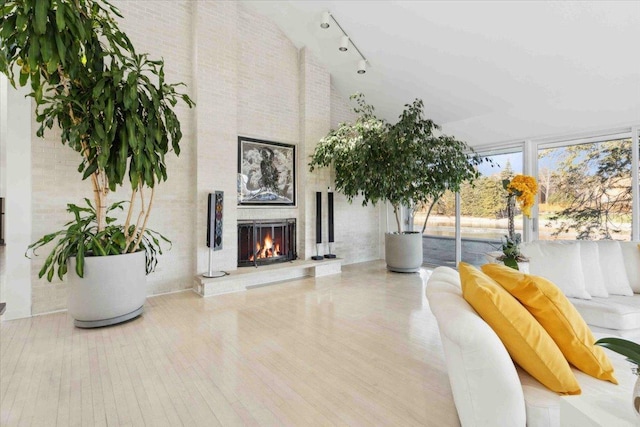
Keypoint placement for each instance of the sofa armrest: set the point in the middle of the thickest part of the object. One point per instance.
(485, 385)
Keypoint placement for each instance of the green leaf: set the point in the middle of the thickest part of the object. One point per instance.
(62, 269)
(93, 166)
(97, 247)
(62, 49)
(60, 22)
(98, 88)
(624, 347)
(24, 77)
(40, 24)
(46, 48)
(34, 53)
(511, 262)
(80, 260)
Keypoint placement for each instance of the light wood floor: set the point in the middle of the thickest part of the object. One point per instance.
(361, 348)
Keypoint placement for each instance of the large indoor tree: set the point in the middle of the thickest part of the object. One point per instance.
(113, 107)
(405, 164)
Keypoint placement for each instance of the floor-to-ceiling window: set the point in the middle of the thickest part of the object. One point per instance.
(438, 240)
(482, 221)
(588, 189)
(483, 208)
(585, 189)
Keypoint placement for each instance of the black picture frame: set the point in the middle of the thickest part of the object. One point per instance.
(266, 173)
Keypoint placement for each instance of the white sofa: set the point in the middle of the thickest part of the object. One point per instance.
(488, 389)
(601, 279)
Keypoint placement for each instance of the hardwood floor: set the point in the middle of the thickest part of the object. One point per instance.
(360, 348)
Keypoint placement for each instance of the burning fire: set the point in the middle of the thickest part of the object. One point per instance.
(267, 250)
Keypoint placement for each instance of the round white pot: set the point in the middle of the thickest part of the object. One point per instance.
(112, 290)
(403, 252)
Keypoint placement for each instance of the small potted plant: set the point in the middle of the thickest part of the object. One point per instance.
(115, 110)
(404, 164)
(631, 351)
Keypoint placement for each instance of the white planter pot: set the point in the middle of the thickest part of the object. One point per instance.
(403, 252)
(112, 290)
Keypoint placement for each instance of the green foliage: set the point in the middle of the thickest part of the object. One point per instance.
(511, 251)
(402, 163)
(81, 238)
(112, 104)
(624, 347)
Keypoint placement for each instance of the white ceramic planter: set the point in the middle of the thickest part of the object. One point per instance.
(112, 290)
(403, 252)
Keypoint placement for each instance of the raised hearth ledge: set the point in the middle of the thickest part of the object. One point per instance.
(246, 277)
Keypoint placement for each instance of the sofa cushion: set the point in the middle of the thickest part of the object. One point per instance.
(615, 312)
(558, 317)
(526, 341)
(593, 278)
(559, 262)
(613, 268)
(631, 257)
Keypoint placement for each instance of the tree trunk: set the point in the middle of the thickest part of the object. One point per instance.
(396, 213)
(426, 218)
(100, 191)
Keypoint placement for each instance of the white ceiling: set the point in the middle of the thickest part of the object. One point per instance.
(487, 71)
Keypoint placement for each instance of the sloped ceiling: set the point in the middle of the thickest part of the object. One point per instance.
(487, 71)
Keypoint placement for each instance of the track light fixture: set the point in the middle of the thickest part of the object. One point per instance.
(362, 66)
(325, 21)
(344, 40)
(344, 44)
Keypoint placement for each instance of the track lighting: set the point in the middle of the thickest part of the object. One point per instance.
(345, 40)
(362, 66)
(325, 20)
(344, 44)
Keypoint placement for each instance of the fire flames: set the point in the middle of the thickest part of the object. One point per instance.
(268, 249)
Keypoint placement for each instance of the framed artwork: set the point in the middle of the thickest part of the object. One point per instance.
(266, 173)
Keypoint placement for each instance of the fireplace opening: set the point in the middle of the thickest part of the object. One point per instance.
(263, 242)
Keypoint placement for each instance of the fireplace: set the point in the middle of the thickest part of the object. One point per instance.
(268, 241)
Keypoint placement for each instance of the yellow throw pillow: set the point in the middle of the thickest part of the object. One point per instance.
(558, 317)
(529, 345)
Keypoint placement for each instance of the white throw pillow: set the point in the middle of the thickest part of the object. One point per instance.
(613, 269)
(593, 279)
(560, 263)
(631, 257)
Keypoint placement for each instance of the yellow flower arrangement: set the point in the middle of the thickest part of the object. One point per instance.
(521, 189)
(524, 187)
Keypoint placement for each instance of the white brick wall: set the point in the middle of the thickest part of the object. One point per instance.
(247, 79)
(217, 47)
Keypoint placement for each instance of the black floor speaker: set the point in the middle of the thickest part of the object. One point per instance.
(214, 220)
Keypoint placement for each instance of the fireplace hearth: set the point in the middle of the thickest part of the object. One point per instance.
(263, 242)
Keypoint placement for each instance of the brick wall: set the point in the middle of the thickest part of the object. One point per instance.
(247, 79)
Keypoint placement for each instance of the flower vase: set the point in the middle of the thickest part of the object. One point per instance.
(511, 211)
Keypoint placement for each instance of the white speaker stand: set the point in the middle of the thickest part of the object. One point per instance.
(210, 273)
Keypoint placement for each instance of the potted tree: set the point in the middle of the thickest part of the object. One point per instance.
(403, 164)
(114, 108)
